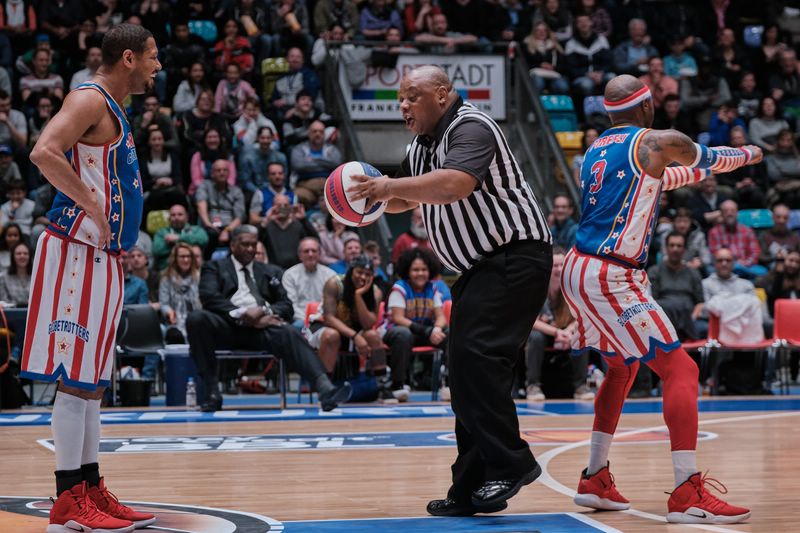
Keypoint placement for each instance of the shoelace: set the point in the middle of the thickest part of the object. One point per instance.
(86, 507)
(708, 500)
(112, 501)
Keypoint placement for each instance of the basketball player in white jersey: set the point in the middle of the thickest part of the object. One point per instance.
(87, 153)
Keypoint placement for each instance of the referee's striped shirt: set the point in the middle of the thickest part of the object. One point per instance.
(502, 208)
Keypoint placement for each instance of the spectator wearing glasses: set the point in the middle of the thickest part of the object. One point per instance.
(178, 292)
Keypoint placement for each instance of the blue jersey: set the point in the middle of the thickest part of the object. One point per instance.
(620, 201)
(111, 171)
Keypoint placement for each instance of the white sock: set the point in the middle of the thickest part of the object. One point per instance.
(598, 452)
(68, 424)
(91, 438)
(684, 464)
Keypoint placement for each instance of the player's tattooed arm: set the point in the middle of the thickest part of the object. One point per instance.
(661, 148)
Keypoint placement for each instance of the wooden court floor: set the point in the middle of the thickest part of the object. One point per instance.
(754, 453)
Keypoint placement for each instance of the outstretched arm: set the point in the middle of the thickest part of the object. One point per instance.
(662, 148)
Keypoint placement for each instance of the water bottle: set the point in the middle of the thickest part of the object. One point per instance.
(191, 394)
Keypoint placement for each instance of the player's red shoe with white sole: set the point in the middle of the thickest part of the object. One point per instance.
(598, 491)
(691, 503)
(109, 504)
(75, 512)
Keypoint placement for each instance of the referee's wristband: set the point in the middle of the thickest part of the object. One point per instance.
(353, 337)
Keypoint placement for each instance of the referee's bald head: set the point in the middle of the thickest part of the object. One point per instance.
(432, 76)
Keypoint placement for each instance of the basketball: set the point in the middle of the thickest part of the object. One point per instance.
(340, 206)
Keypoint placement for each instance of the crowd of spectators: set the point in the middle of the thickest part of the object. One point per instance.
(236, 132)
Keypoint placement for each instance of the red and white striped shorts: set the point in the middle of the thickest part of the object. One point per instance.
(615, 312)
(75, 305)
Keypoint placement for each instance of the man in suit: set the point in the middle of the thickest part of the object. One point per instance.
(245, 306)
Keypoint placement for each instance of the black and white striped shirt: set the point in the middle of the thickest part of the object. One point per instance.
(502, 208)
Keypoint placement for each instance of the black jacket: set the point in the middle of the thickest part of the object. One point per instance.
(219, 282)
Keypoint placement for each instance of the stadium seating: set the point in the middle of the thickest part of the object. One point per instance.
(561, 112)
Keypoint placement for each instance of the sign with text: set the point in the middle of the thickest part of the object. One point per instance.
(478, 79)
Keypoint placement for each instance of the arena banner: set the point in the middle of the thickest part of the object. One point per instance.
(478, 79)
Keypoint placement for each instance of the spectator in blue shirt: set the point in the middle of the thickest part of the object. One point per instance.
(377, 18)
(254, 162)
(135, 287)
(679, 63)
(721, 124)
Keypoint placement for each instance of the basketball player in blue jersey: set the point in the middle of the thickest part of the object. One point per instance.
(87, 152)
(622, 176)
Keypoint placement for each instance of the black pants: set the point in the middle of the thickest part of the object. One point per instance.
(401, 341)
(494, 305)
(208, 331)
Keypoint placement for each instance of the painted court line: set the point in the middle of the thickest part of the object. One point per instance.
(426, 524)
(548, 480)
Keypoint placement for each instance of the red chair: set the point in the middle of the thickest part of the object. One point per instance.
(447, 307)
(311, 309)
(786, 333)
(767, 346)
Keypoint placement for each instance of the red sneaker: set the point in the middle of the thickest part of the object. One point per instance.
(74, 511)
(109, 504)
(598, 491)
(691, 503)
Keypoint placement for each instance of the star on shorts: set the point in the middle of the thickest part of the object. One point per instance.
(115, 217)
(592, 200)
(621, 174)
(63, 346)
(603, 153)
(68, 309)
(620, 219)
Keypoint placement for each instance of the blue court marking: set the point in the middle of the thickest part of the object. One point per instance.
(157, 416)
(519, 523)
(713, 405)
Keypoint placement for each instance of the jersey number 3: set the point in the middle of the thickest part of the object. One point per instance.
(598, 169)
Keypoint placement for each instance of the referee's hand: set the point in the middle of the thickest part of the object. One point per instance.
(373, 189)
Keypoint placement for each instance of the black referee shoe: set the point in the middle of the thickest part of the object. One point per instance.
(498, 491)
(448, 507)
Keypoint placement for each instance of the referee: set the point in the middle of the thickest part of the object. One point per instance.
(483, 221)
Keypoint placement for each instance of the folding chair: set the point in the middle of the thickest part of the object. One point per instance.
(138, 335)
(205, 29)
(786, 333)
(756, 218)
(767, 346)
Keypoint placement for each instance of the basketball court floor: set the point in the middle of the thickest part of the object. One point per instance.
(364, 468)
